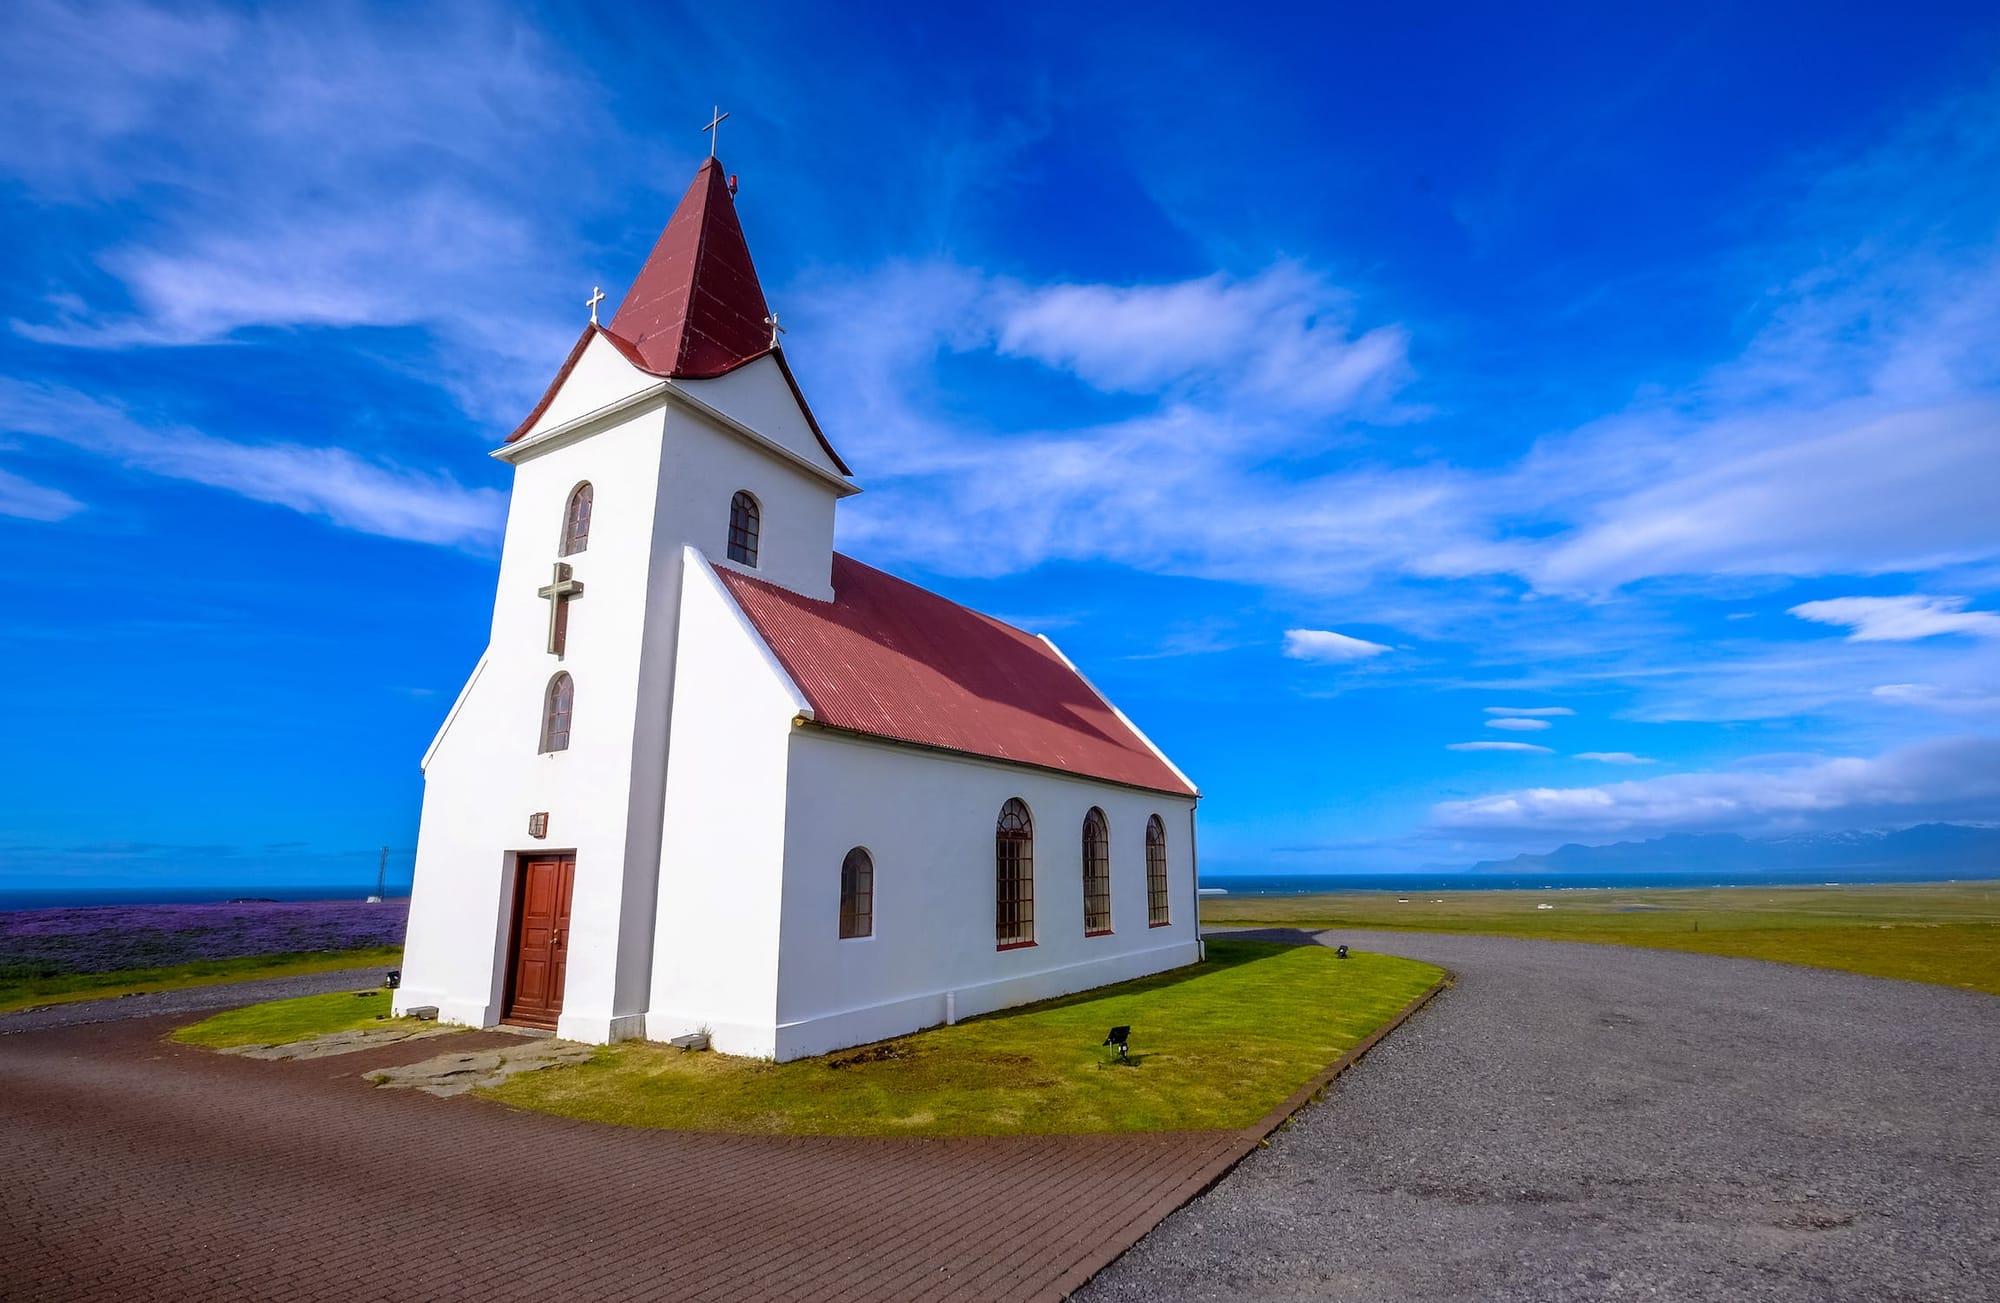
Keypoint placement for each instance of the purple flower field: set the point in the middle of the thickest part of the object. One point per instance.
(103, 938)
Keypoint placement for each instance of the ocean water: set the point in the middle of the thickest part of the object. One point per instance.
(50, 897)
(1302, 884)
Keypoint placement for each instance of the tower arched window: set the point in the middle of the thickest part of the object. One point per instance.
(857, 894)
(1157, 912)
(1096, 874)
(556, 706)
(576, 521)
(745, 520)
(1014, 876)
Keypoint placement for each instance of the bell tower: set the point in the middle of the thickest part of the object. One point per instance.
(677, 425)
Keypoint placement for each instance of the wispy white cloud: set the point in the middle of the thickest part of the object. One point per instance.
(1526, 712)
(1615, 758)
(1326, 645)
(1854, 435)
(293, 178)
(1515, 724)
(1943, 779)
(1900, 619)
(1528, 747)
(25, 500)
(1283, 335)
(331, 483)
(1939, 697)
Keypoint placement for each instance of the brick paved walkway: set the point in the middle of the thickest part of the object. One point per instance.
(132, 1168)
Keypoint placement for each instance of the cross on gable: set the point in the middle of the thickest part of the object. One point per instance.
(559, 592)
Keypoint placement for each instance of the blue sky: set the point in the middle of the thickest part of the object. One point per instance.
(1447, 432)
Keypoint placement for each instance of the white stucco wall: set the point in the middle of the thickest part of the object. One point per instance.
(927, 820)
(662, 478)
(485, 775)
(715, 964)
(704, 468)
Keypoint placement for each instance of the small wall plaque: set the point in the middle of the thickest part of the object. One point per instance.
(538, 824)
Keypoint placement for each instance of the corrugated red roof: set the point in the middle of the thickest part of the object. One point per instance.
(893, 660)
(696, 309)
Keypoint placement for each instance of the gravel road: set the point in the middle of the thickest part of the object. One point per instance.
(193, 999)
(1594, 1122)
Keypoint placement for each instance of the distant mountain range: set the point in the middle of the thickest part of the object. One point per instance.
(1942, 850)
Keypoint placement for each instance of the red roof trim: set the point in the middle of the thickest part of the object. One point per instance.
(549, 394)
(805, 409)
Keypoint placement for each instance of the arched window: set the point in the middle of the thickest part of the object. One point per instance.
(857, 895)
(1014, 876)
(744, 521)
(555, 714)
(1096, 874)
(1157, 914)
(576, 521)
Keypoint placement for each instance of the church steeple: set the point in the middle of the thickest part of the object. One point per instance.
(696, 310)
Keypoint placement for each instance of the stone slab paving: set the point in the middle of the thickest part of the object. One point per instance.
(329, 1044)
(1596, 1122)
(134, 1168)
(456, 1072)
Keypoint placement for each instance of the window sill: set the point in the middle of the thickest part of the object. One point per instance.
(1014, 945)
(1165, 922)
(1097, 932)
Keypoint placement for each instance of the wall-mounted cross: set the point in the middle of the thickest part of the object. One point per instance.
(560, 592)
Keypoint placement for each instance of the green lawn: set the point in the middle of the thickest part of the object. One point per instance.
(1947, 933)
(26, 992)
(280, 1022)
(1218, 1045)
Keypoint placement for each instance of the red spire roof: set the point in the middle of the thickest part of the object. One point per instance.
(696, 310)
(893, 660)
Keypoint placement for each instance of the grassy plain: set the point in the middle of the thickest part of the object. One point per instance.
(279, 1022)
(1218, 1045)
(22, 992)
(1947, 933)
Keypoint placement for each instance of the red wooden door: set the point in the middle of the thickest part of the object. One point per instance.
(541, 939)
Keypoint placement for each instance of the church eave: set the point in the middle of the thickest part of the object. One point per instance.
(517, 450)
(805, 720)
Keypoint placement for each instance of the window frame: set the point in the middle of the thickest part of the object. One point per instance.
(857, 900)
(558, 705)
(1159, 892)
(576, 525)
(1014, 876)
(1096, 873)
(743, 550)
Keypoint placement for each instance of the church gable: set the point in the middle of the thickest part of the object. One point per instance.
(597, 373)
(762, 395)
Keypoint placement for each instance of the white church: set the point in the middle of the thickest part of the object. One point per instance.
(711, 775)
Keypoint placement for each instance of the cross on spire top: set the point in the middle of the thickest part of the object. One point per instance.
(714, 129)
